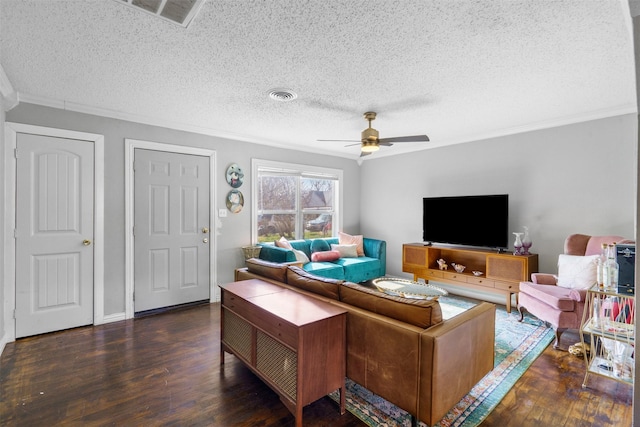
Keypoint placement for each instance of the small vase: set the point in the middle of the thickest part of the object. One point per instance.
(526, 241)
(517, 245)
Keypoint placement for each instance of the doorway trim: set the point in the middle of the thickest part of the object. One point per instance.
(130, 147)
(11, 138)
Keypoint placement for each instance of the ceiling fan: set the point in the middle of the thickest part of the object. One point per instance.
(371, 142)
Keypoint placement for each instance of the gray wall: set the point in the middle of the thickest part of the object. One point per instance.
(578, 178)
(233, 231)
(574, 178)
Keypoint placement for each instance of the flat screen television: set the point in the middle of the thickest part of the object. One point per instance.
(478, 221)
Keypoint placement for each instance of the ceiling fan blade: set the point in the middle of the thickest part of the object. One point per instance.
(338, 140)
(351, 145)
(385, 143)
(414, 138)
(364, 153)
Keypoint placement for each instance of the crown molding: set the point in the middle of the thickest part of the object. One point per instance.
(604, 113)
(9, 95)
(164, 123)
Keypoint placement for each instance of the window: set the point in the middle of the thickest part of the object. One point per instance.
(294, 201)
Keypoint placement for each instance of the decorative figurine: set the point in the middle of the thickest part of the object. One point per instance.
(442, 264)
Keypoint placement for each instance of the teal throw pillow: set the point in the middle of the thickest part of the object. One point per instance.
(319, 245)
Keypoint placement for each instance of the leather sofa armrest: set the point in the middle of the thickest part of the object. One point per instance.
(275, 254)
(544, 278)
(455, 355)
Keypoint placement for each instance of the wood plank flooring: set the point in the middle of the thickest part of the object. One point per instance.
(165, 370)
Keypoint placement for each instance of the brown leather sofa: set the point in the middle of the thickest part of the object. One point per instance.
(398, 348)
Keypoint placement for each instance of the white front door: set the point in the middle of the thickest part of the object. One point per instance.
(54, 233)
(171, 229)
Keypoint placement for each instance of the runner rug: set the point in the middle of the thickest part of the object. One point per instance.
(517, 345)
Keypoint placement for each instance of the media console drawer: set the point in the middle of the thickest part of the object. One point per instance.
(502, 272)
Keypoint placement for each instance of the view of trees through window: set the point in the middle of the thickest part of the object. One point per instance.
(294, 206)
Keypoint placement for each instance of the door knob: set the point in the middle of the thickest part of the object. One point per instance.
(86, 242)
(205, 230)
(205, 240)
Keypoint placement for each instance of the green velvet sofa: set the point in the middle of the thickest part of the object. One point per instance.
(370, 266)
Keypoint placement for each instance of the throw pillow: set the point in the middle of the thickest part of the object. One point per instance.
(301, 256)
(283, 243)
(577, 272)
(347, 239)
(346, 251)
(319, 245)
(325, 256)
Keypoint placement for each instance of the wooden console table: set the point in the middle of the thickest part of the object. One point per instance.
(502, 272)
(294, 343)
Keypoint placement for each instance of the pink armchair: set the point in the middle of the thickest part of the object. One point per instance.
(561, 306)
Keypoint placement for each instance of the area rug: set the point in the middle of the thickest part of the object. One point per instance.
(517, 345)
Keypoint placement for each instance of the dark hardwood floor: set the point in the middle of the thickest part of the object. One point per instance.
(165, 370)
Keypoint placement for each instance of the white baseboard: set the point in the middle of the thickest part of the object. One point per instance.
(110, 318)
(3, 342)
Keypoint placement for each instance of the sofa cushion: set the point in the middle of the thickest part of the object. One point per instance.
(325, 269)
(346, 251)
(558, 298)
(347, 239)
(272, 270)
(319, 245)
(360, 269)
(299, 278)
(324, 256)
(421, 313)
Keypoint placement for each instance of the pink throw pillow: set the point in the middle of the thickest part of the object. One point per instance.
(347, 239)
(325, 256)
(283, 243)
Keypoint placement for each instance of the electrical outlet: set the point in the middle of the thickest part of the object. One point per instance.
(222, 213)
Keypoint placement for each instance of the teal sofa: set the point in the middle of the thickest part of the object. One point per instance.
(370, 266)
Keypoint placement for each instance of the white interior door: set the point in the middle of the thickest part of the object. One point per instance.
(54, 233)
(171, 229)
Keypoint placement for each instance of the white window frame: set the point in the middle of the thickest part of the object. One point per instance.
(295, 169)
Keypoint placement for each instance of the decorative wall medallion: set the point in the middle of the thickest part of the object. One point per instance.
(235, 176)
(235, 201)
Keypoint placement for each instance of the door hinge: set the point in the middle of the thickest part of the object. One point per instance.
(15, 153)
(14, 314)
(15, 233)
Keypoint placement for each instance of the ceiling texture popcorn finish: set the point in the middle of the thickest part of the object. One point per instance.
(458, 71)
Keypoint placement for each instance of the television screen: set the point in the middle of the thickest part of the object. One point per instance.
(480, 221)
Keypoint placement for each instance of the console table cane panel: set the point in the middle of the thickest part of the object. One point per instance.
(296, 344)
(500, 272)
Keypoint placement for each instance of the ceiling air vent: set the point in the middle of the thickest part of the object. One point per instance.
(179, 12)
(282, 95)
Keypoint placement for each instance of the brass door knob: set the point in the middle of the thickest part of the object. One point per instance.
(205, 230)
(86, 242)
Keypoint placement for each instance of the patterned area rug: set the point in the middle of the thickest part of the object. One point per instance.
(517, 345)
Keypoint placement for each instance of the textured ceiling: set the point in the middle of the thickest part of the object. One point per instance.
(456, 70)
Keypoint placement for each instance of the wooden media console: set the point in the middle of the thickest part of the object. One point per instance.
(502, 272)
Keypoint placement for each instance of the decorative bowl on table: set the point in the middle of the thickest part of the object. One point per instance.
(477, 273)
(458, 267)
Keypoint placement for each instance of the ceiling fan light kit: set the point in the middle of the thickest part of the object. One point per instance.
(370, 140)
(369, 147)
